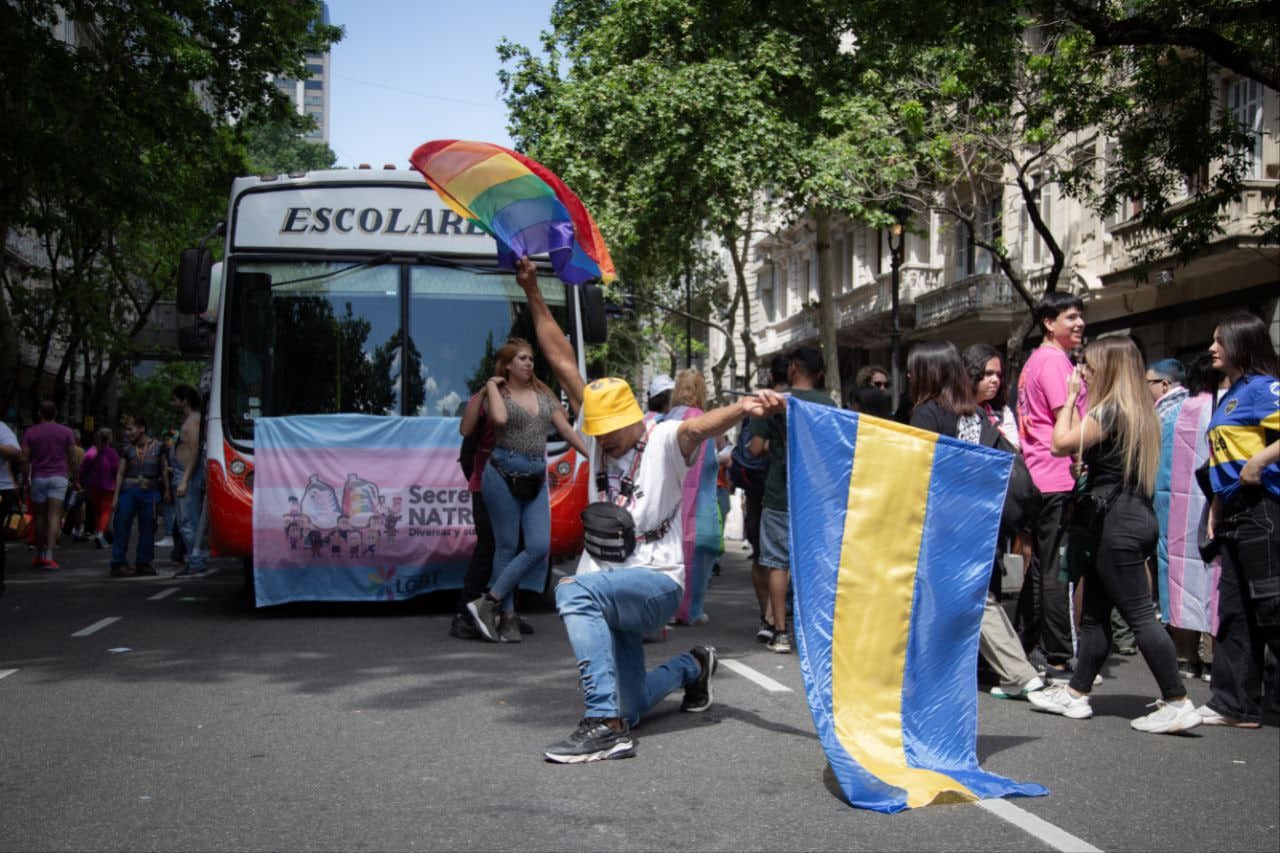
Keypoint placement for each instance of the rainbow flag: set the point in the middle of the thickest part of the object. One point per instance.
(520, 203)
(893, 533)
(359, 508)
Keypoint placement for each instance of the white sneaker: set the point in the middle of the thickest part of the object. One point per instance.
(1168, 718)
(1056, 699)
(166, 542)
(1016, 690)
(1210, 717)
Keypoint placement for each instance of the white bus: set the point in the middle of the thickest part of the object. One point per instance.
(359, 292)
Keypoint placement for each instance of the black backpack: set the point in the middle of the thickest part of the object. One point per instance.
(1022, 502)
(747, 471)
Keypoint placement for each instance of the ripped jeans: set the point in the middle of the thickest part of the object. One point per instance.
(606, 615)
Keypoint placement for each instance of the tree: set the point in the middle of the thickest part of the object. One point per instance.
(665, 120)
(116, 145)
(274, 146)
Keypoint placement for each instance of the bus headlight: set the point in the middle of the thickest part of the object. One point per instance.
(237, 467)
(563, 469)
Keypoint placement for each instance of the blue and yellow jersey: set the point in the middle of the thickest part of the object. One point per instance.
(1247, 420)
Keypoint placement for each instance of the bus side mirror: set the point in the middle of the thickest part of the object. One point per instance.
(595, 326)
(194, 269)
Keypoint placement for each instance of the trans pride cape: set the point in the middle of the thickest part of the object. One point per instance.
(893, 532)
(358, 508)
(700, 515)
(1188, 587)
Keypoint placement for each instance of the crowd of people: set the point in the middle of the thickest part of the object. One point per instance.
(1108, 445)
(104, 493)
(1094, 426)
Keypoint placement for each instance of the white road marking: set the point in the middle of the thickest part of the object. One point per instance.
(97, 626)
(751, 675)
(7, 672)
(1058, 839)
(164, 593)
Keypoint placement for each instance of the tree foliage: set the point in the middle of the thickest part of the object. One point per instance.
(118, 149)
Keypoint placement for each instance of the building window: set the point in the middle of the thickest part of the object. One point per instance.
(1244, 100)
(315, 68)
(804, 280)
(315, 85)
(962, 250)
(989, 229)
(313, 100)
(764, 288)
(1036, 248)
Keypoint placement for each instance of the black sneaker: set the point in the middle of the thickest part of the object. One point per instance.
(697, 696)
(764, 633)
(484, 612)
(593, 740)
(463, 628)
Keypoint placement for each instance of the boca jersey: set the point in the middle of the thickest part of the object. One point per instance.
(1247, 420)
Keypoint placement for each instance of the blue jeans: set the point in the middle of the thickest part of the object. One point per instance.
(606, 615)
(704, 561)
(141, 503)
(188, 517)
(510, 517)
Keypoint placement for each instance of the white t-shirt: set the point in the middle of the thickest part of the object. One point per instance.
(659, 488)
(6, 438)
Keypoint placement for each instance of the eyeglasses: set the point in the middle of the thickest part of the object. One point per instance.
(880, 384)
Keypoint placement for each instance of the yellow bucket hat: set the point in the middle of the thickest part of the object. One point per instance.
(607, 405)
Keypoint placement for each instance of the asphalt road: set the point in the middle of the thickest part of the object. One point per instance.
(190, 723)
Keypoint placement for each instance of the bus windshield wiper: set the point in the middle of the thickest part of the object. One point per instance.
(374, 261)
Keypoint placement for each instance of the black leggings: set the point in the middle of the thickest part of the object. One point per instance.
(1118, 578)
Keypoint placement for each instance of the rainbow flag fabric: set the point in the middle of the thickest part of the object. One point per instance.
(520, 203)
(893, 535)
(359, 508)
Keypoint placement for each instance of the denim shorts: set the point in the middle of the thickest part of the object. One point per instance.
(44, 489)
(775, 542)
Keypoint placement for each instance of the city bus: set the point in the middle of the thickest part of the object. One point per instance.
(358, 292)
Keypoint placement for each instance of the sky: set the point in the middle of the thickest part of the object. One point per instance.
(409, 71)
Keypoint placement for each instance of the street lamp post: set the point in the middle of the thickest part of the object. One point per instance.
(897, 241)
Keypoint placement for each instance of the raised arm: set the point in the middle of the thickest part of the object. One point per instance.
(1070, 434)
(555, 347)
(716, 422)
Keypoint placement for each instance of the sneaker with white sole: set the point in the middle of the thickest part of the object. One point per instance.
(1017, 690)
(697, 695)
(484, 611)
(1168, 717)
(1056, 699)
(781, 643)
(765, 632)
(1210, 717)
(593, 740)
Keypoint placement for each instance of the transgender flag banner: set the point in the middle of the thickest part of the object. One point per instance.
(358, 508)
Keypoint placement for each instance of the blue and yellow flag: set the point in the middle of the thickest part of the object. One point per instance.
(893, 533)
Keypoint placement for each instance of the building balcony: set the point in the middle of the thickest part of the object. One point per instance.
(1239, 216)
(966, 297)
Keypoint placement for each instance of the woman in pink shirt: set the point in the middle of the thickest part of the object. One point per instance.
(98, 477)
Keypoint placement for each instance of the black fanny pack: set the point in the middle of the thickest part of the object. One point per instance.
(524, 487)
(609, 531)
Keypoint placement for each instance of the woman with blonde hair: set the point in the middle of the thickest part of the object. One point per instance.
(699, 509)
(523, 411)
(1119, 442)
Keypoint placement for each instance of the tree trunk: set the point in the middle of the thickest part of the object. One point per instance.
(827, 305)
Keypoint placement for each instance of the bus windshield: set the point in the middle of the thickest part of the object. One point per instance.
(307, 338)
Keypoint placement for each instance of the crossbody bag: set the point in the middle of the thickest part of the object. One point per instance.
(608, 527)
